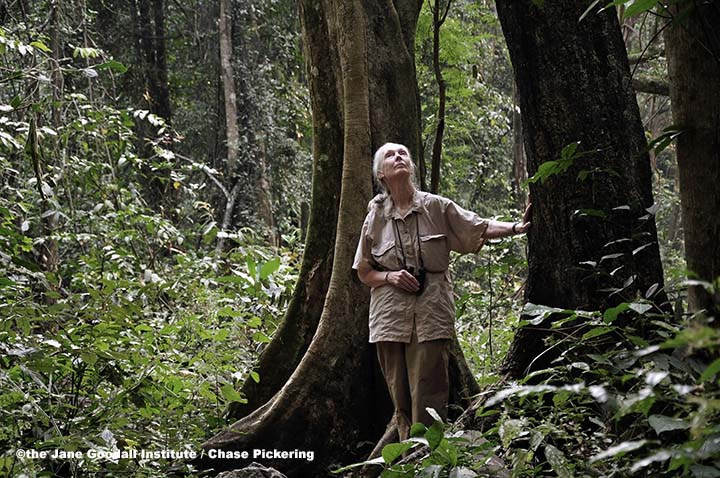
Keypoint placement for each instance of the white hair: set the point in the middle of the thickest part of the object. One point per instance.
(378, 159)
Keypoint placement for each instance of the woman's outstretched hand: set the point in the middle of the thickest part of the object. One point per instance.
(523, 226)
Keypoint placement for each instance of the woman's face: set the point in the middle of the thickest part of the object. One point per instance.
(395, 163)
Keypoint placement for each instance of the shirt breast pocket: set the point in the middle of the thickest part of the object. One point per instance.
(386, 256)
(435, 252)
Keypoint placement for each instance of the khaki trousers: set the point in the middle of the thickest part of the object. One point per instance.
(417, 378)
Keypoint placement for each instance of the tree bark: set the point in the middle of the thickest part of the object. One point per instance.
(227, 77)
(693, 53)
(574, 84)
(519, 161)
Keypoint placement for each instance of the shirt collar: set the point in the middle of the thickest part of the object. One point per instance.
(415, 206)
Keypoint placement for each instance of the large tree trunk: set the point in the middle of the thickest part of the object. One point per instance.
(574, 84)
(361, 70)
(693, 53)
(326, 405)
(293, 337)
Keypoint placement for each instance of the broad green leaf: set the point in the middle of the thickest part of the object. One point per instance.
(434, 435)
(512, 429)
(558, 462)
(112, 65)
(228, 311)
(255, 376)
(612, 313)
(597, 331)
(231, 395)
(261, 337)
(661, 423)
(704, 471)
(269, 267)
(418, 429)
(41, 46)
(4, 281)
(208, 394)
(394, 450)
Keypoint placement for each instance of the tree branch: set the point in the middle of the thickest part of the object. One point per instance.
(653, 86)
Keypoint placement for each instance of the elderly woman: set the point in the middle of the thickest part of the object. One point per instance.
(403, 256)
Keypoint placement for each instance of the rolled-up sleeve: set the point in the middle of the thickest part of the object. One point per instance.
(362, 253)
(466, 230)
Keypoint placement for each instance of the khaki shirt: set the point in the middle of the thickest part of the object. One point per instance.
(443, 226)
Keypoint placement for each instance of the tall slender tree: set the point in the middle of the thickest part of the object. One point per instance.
(692, 45)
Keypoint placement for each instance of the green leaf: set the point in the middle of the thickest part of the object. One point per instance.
(89, 358)
(261, 337)
(666, 137)
(231, 395)
(511, 429)
(612, 313)
(228, 311)
(252, 267)
(638, 7)
(704, 471)
(434, 435)
(418, 429)
(597, 331)
(112, 65)
(662, 423)
(41, 46)
(558, 462)
(391, 452)
(255, 376)
(710, 371)
(269, 267)
(208, 394)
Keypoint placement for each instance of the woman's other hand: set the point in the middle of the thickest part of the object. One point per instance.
(403, 280)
